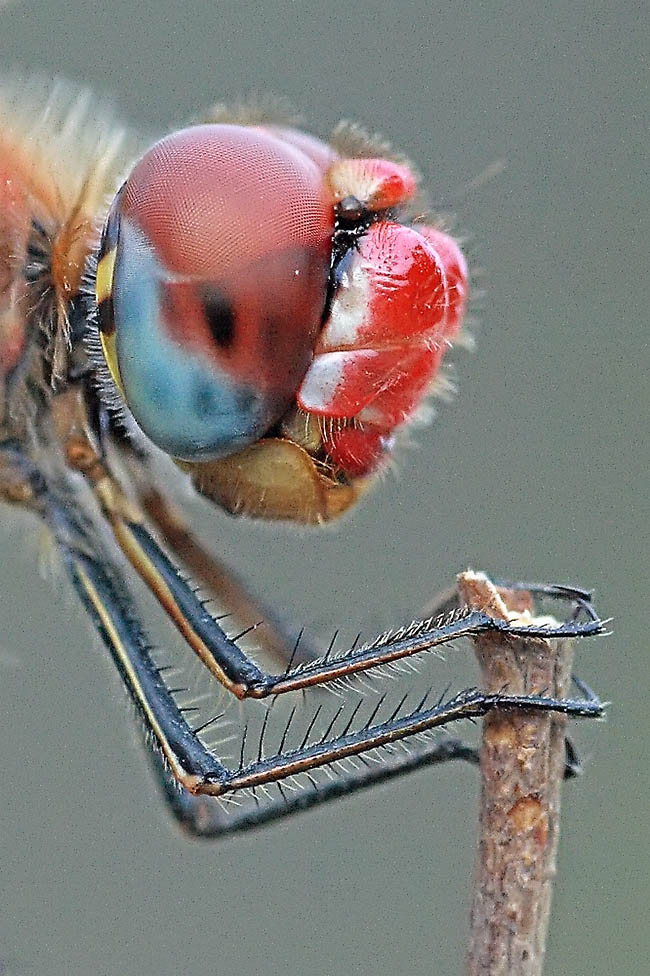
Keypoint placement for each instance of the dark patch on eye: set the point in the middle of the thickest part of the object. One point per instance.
(204, 400)
(245, 402)
(220, 317)
(158, 393)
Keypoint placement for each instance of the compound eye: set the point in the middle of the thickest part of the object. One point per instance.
(211, 285)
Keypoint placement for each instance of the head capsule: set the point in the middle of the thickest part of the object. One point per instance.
(271, 315)
(211, 285)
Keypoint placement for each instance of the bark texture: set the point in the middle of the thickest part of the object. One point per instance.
(522, 766)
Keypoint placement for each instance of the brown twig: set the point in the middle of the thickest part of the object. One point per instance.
(522, 764)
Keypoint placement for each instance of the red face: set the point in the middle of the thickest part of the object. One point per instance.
(254, 287)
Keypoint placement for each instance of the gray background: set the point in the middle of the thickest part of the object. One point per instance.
(538, 468)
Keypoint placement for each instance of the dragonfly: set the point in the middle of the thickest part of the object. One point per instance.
(264, 314)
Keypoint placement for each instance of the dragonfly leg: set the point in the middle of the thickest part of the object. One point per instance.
(277, 636)
(194, 779)
(223, 657)
(207, 797)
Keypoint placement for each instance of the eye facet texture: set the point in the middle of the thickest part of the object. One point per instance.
(219, 285)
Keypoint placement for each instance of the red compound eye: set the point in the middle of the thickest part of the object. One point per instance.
(221, 267)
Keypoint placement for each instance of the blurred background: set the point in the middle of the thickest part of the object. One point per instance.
(538, 469)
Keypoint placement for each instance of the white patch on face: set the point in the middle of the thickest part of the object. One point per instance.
(371, 415)
(349, 309)
(326, 378)
(353, 178)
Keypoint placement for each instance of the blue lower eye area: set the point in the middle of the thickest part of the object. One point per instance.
(187, 407)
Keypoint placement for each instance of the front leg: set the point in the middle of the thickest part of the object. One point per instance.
(222, 656)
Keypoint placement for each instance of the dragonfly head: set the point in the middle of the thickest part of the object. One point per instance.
(211, 285)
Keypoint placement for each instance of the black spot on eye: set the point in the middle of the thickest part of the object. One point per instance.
(220, 317)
